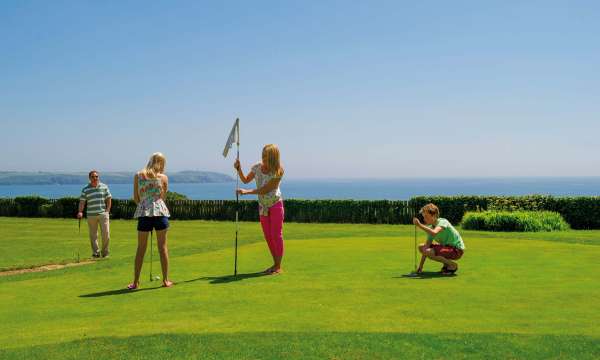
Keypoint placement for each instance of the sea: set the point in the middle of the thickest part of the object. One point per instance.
(361, 189)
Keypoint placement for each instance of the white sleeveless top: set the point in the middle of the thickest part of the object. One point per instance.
(151, 204)
(269, 199)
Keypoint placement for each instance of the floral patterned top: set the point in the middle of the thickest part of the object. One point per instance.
(269, 199)
(150, 203)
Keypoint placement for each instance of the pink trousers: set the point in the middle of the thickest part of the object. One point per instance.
(272, 226)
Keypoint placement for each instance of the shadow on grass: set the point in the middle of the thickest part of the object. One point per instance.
(425, 275)
(116, 292)
(230, 278)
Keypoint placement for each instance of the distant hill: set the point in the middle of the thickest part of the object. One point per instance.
(121, 177)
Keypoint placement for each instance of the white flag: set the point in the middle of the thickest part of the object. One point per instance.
(234, 137)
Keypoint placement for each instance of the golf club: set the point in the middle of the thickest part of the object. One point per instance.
(415, 249)
(79, 234)
(414, 272)
(152, 278)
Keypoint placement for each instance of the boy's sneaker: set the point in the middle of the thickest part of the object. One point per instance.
(95, 256)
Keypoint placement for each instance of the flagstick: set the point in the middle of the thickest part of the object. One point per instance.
(237, 204)
(234, 135)
(237, 224)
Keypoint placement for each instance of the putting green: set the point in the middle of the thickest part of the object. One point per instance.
(342, 296)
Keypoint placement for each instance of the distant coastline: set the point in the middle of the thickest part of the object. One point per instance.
(392, 189)
(120, 177)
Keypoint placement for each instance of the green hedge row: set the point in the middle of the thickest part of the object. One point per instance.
(579, 212)
(524, 221)
(326, 211)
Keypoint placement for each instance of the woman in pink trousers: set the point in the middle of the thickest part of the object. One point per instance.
(268, 174)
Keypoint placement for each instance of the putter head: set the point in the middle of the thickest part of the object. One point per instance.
(412, 274)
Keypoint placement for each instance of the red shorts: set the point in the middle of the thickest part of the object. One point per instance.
(448, 252)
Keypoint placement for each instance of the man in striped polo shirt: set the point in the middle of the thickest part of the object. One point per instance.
(99, 201)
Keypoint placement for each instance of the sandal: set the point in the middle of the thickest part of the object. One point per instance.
(167, 283)
(268, 271)
(450, 271)
(276, 272)
(132, 286)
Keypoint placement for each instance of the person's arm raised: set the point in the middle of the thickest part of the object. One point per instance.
(433, 232)
(240, 172)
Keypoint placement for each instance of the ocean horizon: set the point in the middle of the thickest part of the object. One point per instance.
(357, 189)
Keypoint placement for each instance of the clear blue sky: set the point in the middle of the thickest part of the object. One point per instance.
(382, 89)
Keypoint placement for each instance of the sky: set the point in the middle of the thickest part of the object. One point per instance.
(372, 89)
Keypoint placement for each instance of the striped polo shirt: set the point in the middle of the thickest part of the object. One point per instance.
(95, 198)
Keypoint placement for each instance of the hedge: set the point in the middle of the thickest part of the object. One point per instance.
(520, 220)
(579, 212)
(328, 211)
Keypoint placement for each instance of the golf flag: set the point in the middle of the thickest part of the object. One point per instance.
(234, 137)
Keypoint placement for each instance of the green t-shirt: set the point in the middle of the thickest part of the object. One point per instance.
(448, 236)
(95, 198)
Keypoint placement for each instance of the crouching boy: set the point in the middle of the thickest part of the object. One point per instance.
(448, 244)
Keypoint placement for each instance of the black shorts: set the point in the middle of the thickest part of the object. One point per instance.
(147, 223)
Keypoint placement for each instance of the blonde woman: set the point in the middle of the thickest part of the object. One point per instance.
(268, 174)
(150, 186)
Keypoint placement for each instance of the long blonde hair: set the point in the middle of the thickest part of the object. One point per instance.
(270, 154)
(155, 166)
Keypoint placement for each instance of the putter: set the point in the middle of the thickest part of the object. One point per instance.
(414, 273)
(415, 249)
(79, 234)
(152, 278)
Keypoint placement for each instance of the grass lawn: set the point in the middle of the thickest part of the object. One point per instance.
(342, 295)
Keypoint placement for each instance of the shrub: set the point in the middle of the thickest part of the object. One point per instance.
(172, 195)
(8, 207)
(64, 207)
(526, 221)
(30, 206)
